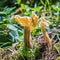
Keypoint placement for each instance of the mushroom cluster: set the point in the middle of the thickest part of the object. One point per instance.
(29, 23)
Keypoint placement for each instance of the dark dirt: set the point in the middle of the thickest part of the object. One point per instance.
(43, 53)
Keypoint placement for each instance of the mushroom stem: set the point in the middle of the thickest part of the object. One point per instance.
(27, 37)
(46, 37)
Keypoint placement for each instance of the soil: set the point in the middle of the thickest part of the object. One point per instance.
(43, 52)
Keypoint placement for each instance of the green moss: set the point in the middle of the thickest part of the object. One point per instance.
(28, 52)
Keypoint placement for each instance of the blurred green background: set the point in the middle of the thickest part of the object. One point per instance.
(10, 33)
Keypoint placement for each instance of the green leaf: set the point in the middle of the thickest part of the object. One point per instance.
(6, 44)
(47, 1)
(18, 1)
(8, 10)
(11, 27)
(54, 7)
(23, 6)
(36, 9)
(36, 31)
(3, 13)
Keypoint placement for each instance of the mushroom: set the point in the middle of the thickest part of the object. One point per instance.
(29, 23)
(46, 36)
